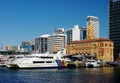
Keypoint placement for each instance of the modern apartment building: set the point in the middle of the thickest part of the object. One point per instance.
(13, 48)
(95, 23)
(114, 25)
(41, 44)
(58, 40)
(76, 33)
(27, 47)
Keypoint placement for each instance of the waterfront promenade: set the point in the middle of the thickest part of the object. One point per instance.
(75, 75)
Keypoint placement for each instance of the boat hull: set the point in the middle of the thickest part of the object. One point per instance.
(57, 64)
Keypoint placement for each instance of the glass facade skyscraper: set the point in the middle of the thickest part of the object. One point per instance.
(76, 33)
(114, 24)
(82, 33)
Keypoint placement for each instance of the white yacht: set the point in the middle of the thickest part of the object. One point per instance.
(2, 60)
(92, 63)
(9, 58)
(12, 58)
(38, 61)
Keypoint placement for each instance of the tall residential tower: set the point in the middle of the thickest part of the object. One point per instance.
(114, 25)
(57, 42)
(95, 23)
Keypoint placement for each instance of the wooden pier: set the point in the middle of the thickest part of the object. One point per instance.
(75, 64)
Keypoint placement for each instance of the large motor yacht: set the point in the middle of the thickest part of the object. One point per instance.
(38, 61)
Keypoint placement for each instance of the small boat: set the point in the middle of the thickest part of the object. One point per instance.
(38, 61)
(91, 63)
(2, 60)
(12, 58)
(2, 63)
(114, 63)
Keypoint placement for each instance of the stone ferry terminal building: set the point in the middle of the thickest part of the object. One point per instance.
(101, 48)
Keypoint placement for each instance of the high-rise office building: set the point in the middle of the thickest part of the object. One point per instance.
(95, 23)
(41, 44)
(58, 40)
(114, 25)
(76, 33)
(82, 33)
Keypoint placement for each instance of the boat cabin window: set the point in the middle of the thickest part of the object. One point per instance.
(47, 57)
(90, 61)
(19, 57)
(38, 62)
(30, 56)
(48, 61)
(12, 57)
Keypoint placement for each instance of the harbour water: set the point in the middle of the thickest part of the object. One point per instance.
(81, 75)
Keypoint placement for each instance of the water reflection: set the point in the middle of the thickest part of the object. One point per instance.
(99, 75)
(104, 70)
(81, 75)
(107, 70)
(117, 75)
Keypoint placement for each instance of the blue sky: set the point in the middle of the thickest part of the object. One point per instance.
(22, 20)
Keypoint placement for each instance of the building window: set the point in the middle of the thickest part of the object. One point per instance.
(105, 44)
(110, 45)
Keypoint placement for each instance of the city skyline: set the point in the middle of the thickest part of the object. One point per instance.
(22, 20)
